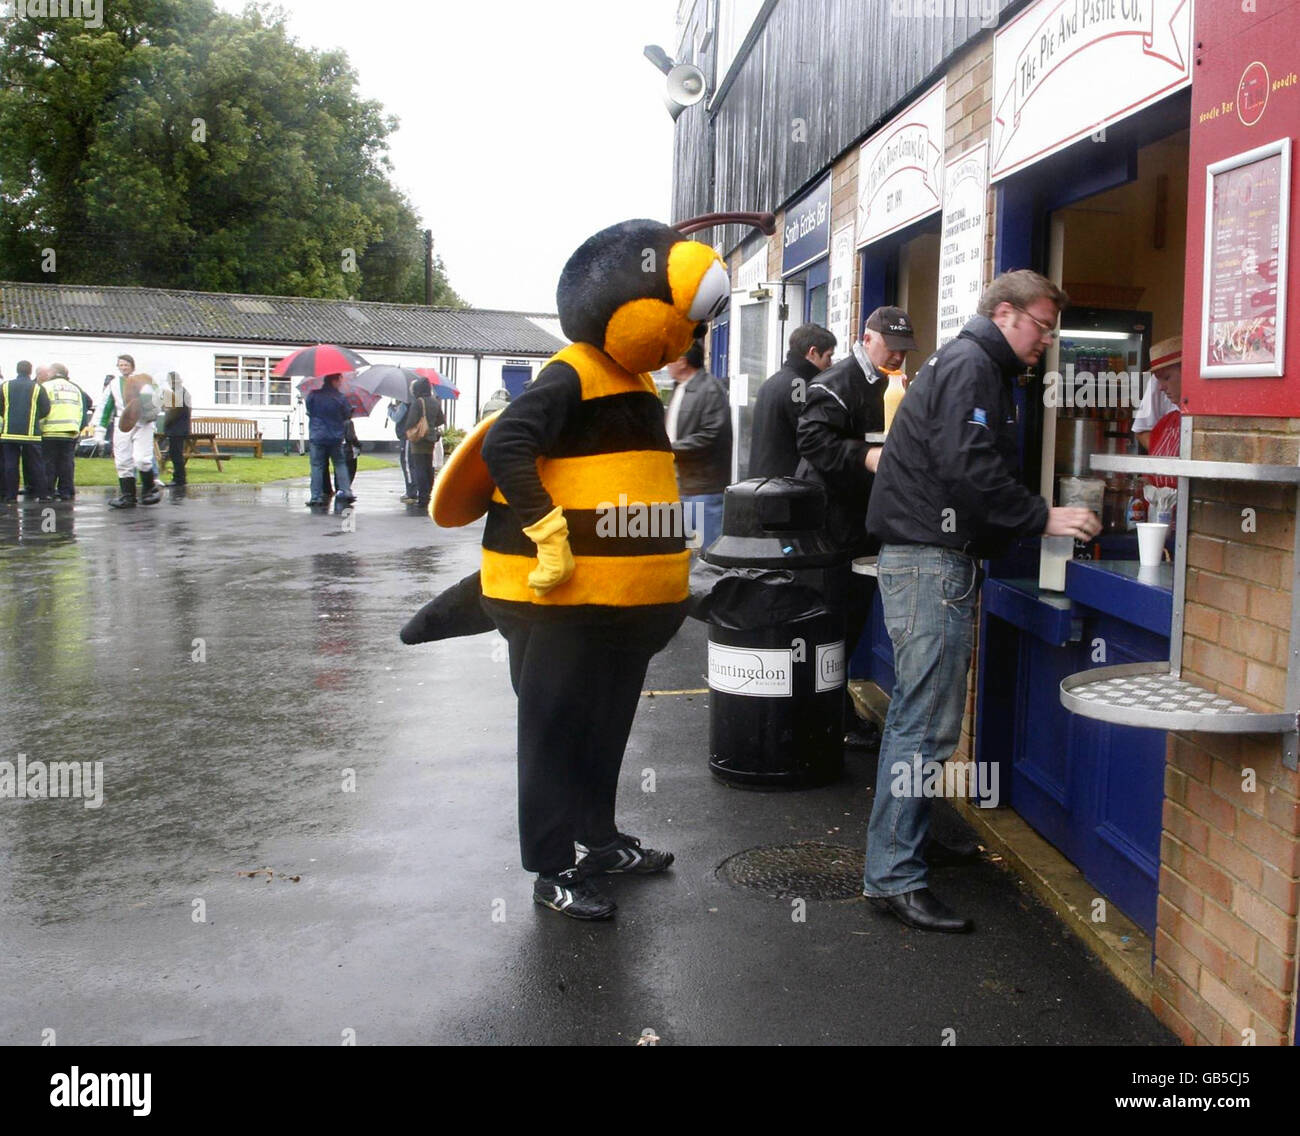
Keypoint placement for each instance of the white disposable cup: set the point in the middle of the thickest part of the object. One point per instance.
(1151, 542)
(1055, 553)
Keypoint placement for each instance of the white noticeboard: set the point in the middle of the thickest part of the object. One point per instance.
(839, 295)
(900, 169)
(961, 250)
(1065, 69)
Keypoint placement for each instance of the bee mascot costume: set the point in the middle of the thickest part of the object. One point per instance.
(582, 604)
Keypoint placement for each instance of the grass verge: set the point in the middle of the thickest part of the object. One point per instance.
(93, 472)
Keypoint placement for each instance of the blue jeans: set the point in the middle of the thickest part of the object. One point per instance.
(704, 512)
(329, 451)
(928, 596)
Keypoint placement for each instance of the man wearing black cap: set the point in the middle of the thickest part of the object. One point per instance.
(846, 403)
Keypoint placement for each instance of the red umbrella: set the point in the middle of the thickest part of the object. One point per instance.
(319, 361)
(361, 400)
(440, 388)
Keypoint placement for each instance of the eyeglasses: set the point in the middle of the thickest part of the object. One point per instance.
(1046, 329)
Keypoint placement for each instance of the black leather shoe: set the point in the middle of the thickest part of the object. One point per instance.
(953, 854)
(922, 910)
(862, 734)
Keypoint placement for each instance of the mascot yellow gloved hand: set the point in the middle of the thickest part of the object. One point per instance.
(554, 558)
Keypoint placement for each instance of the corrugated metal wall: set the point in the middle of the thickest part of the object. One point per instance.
(821, 76)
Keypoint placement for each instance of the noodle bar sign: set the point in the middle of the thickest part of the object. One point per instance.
(1241, 322)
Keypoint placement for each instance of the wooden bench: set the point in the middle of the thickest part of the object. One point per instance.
(196, 446)
(231, 433)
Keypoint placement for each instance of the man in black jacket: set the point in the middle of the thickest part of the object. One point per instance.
(773, 451)
(23, 403)
(846, 403)
(947, 495)
(699, 428)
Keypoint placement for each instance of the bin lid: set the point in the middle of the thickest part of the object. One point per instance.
(774, 521)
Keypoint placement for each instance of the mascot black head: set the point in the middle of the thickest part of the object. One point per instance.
(640, 292)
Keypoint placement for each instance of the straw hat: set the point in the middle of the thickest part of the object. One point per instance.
(1166, 353)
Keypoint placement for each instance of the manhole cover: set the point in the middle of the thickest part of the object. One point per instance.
(807, 870)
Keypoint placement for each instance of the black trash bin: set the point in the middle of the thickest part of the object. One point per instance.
(773, 591)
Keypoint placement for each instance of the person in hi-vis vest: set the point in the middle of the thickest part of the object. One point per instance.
(69, 412)
(23, 403)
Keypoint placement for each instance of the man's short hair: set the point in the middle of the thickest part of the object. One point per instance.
(23, 368)
(129, 358)
(694, 356)
(809, 335)
(59, 370)
(1020, 289)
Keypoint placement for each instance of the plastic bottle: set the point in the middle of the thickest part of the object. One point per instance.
(1137, 504)
(893, 396)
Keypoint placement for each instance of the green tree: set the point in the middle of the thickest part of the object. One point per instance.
(179, 146)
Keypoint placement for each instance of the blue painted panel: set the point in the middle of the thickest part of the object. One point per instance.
(1093, 790)
(1115, 590)
(1020, 602)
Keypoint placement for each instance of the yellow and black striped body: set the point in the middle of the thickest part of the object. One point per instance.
(608, 464)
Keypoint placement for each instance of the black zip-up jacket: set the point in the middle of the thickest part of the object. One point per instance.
(948, 473)
(842, 407)
(773, 451)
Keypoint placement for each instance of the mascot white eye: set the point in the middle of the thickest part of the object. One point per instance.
(712, 295)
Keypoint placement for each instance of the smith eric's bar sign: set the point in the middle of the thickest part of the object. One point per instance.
(1065, 69)
(806, 234)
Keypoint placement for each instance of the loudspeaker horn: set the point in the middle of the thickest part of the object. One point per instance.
(686, 84)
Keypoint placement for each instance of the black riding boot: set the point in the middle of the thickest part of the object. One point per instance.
(152, 494)
(126, 499)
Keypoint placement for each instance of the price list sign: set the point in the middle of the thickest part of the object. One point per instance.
(961, 253)
(1245, 263)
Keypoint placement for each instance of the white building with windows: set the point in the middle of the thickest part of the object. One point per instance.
(224, 347)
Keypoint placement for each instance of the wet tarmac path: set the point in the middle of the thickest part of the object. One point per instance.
(232, 660)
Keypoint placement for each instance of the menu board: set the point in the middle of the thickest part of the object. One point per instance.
(1245, 263)
(961, 255)
(839, 296)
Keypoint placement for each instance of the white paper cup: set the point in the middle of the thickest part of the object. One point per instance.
(1055, 552)
(1151, 543)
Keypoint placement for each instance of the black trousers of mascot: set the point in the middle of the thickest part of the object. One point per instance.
(579, 686)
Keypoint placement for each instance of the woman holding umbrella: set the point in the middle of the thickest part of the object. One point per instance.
(328, 413)
(427, 410)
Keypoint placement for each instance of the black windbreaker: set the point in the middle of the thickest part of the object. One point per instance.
(948, 473)
(842, 407)
(773, 451)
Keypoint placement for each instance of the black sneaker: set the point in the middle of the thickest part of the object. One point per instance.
(570, 894)
(623, 854)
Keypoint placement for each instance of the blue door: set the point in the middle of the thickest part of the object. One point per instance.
(514, 378)
(720, 345)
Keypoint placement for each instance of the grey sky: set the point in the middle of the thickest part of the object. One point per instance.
(526, 125)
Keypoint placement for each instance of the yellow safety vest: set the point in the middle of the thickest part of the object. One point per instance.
(64, 418)
(32, 432)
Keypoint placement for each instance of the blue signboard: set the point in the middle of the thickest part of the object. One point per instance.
(806, 234)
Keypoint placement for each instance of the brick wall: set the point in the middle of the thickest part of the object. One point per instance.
(968, 121)
(1230, 847)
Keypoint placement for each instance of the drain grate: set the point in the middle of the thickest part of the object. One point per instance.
(806, 870)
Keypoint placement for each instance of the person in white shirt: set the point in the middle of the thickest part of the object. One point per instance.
(1162, 393)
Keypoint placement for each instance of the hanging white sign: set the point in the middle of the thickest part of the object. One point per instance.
(1066, 69)
(900, 169)
(839, 294)
(961, 250)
